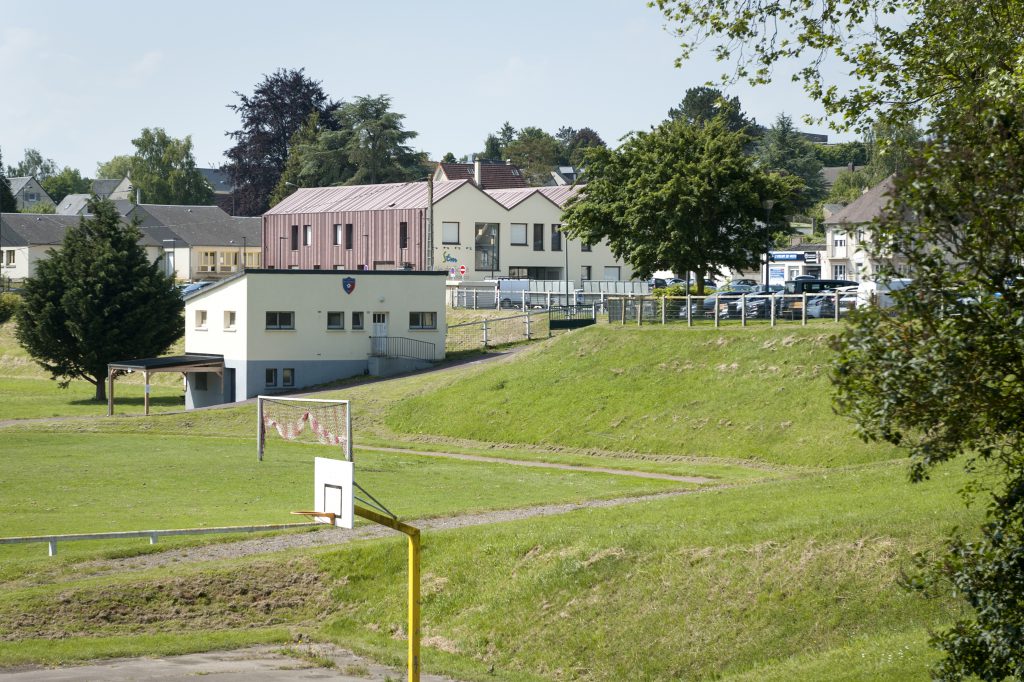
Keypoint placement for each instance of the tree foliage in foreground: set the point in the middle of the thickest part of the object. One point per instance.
(943, 375)
(97, 300)
(682, 198)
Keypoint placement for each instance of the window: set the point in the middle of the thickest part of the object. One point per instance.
(486, 246)
(348, 236)
(838, 272)
(252, 259)
(316, 267)
(200, 319)
(228, 261)
(288, 376)
(585, 247)
(229, 320)
(585, 273)
(538, 236)
(403, 235)
(518, 234)
(208, 261)
(528, 272)
(839, 241)
(199, 381)
(295, 238)
(338, 235)
(357, 320)
(9, 258)
(380, 318)
(307, 235)
(271, 379)
(280, 320)
(335, 320)
(611, 273)
(556, 237)
(422, 320)
(31, 196)
(449, 233)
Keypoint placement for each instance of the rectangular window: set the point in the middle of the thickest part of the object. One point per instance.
(357, 320)
(307, 235)
(449, 233)
(403, 235)
(487, 247)
(208, 261)
(228, 261)
(584, 247)
(348, 236)
(336, 320)
(839, 241)
(518, 234)
(585, 273)
(556, 237)
(337, 235)
(200, 319)
(538, 236)
(611, 273)
(280, 320)
(252, 259)
(9, 258)
(422, 320)
(838, 272)
(295, 238)
(229, 320)
(271, 379)
(199, 381)
(288, 376)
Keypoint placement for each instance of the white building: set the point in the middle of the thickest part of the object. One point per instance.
(283, 330)
(848, 235)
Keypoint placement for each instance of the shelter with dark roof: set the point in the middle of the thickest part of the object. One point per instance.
(484, 174)
(477, 234)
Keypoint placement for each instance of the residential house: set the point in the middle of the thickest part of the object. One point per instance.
(113, 189)
(476, 234)
(284, 330)
(483, 173)
(848, 233)
(28, 193)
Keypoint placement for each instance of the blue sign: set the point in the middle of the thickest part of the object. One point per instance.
(448, 258)
(782, 255)
(348, 284)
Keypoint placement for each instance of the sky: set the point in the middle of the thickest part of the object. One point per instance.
(78, 81)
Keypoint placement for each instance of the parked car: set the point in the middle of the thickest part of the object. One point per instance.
(723, 298)
(787, 305)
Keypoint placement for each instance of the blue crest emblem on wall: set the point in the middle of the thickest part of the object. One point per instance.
(348, 284)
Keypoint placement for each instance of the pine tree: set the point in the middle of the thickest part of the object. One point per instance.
(7, 202)
(97, 300)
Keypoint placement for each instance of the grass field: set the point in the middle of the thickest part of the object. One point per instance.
(787, 573)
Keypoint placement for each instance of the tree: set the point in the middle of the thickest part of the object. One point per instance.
(96, 300)
(7, 201)
(573, 144)
(783, 149)
(33, 165)
(448, 158)
(67, 181)
(40, 207)
(280, 104)
(536, 152)
(842, 154)
(704, 103)
(940, 373)
(682, 197)
(496, 143)
(377, 142)
(117, 168)
(297, 169)
(164, 169)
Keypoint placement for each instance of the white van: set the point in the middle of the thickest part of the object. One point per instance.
(879, 292)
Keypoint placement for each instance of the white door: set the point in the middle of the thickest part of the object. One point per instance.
(380, 332)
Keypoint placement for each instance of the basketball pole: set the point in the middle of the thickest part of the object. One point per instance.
(414, 583)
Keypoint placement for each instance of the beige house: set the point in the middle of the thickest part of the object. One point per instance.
(847, 234)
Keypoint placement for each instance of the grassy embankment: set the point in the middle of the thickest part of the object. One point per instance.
(777, 578)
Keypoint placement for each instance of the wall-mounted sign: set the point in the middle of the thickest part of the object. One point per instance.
(449, 258)
(811, 257)
(348, 284)
(786, 255)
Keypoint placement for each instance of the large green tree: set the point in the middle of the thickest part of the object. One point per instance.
(116, 168)
(96, 300)
(536, 152)
(377, 143)
(703, 103)
(33, 165)
(164, 169)
(940, 373)
(783, 149)
(681, 197)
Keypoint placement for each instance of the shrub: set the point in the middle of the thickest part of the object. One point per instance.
(9, 305)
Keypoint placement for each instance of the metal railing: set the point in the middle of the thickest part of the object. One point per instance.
(401, 347)
(498, 331)
(724, 309)
(572, 316)
(52, 540)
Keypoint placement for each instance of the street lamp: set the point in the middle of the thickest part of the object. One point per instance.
(768, 204)
(169, 264)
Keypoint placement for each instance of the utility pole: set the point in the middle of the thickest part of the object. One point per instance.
(430, 222)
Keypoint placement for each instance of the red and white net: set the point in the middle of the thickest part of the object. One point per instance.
(325, 421)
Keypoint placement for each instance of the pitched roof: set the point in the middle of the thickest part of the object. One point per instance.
(493, 174)
(556, 194)
(830, 173)
(197, 225)
(31, 229)
(72, 204)
(867, 207)
(18, 184)
(218, 179)
(104, 187)
(396, 195)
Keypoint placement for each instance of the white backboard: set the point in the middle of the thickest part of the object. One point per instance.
(333, 490)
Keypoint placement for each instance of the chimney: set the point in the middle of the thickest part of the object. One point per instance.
(476, 173)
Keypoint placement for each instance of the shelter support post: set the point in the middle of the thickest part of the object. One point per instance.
(110, 391)
(145, 397)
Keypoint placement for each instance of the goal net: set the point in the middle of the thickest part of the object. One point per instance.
(328, 422)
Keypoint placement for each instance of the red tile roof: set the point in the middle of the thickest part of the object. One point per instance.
(492, 175)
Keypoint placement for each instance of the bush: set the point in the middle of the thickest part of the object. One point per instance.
(9, 305)
(680, 290)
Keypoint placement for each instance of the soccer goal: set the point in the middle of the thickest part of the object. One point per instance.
(328, 421)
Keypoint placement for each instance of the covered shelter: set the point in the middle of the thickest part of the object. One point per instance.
(190, 362)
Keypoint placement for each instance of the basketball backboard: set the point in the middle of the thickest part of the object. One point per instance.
(333, 490)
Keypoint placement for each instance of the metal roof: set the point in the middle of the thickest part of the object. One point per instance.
(169, 362)
(556, 194)
(398, 195)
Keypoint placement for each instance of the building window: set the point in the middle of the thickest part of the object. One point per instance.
(529, 272)
(611, 273)
(838, 272)
(585, 247)
(348, 236)
(337, 235)
(336, 320)
(538, 236)
(585, 273)
(422, 320)
(357, 320)
(9, 258)
(271, 379)
(556, 237)
(487, 247)
(839, 241)
(288, 376)
(449, 233)
(252, 259)
(518, 234)
(199, 381)
(228, 261)
(208, 261)
(200, 319)
(280, 320)
(229, 320)
(403, 235)
(307, 235)
(295, 238)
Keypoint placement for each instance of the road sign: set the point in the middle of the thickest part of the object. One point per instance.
(462, 269)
